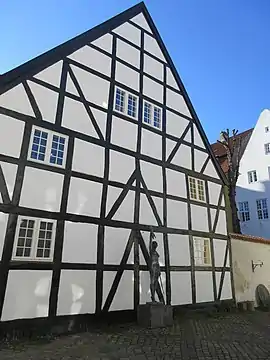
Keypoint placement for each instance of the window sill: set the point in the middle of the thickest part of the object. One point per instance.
(125, 114)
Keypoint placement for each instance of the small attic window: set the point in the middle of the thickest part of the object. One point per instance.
(266, 129)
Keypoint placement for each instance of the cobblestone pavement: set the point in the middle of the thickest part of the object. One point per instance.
(235, 336)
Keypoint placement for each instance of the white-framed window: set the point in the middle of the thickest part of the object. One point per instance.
(126, 103)
(244, 211)
(152, 115)
(48, 147)
(202, 252)
(252, 176)
(266, 129)
(267, 148)
(34, 239)
(196, 189)
(262, 209)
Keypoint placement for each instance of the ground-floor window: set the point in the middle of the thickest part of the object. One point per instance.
(34, 239)
(202, 254)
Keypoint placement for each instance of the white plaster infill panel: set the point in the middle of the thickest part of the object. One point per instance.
(51, 74)
(3, 225)
(41, 189)
(27, 294)
(141, 21)
(104, 42)
(151, 46)
(46, 100)
(129, 32)
(204, 286)
(151, 144)
(177, 214)
(199, 218)
(9, 172)
(11, 146)
(181, 288)
(127, 76)
(153, 67)
(88, 158)
(77, 293)
(128, 53)
(94, 88)
(93, 59)
(80, 243)
(16, 99)
(179, 250)
(124, 133)
(177, 102)
(115, 241)
(84, 197)
(175, 124)
(123, 298)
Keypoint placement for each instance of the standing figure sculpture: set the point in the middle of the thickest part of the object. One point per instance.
(154, 263)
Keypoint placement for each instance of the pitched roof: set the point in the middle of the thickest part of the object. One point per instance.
(30, 68)
(220, 151)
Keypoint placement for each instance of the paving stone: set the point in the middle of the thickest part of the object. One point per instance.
(229, 336)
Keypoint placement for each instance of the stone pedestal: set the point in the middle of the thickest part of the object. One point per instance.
(154, 315)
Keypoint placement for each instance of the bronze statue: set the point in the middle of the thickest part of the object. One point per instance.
(154, 263)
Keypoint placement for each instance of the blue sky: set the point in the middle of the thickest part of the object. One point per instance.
(220, 47)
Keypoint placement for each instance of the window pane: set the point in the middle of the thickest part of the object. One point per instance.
(132, 105)
(44, 246)
(200, 184)
(157, 117)
(39, 145)
(192, 188)
(119, 100)
(202, 251)
(57, 150)
(25, 238)
(147, 113)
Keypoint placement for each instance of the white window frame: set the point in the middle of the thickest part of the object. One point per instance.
(260, 201)
(267, 148)
(206, 242)
(251, 176)
(125, 112)
(48, 147)
(197, 181)
(35, 239)
(243, 210)
(152, 109)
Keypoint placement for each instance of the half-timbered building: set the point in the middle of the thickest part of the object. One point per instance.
(99, 142)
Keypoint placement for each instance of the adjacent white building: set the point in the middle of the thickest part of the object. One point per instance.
(98, 142)
(253, 185)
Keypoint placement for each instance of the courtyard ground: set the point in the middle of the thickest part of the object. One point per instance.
(225, 336)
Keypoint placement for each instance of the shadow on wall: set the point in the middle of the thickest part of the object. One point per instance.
(255, 226)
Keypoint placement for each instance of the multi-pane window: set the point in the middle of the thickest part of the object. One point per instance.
(244, 211)
(57, 151)
(196, 189)
(132, 105)
(157, 117)
(39, 144)
(151, 115)
(120, 100)
(34, 239)
(147, 110)
(262, 209)
(267, 148)
(48, 147)
(252, 176)
(126, 103)
(202, 255)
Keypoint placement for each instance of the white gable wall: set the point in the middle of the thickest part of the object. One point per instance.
(42, 189)
(260, 189)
